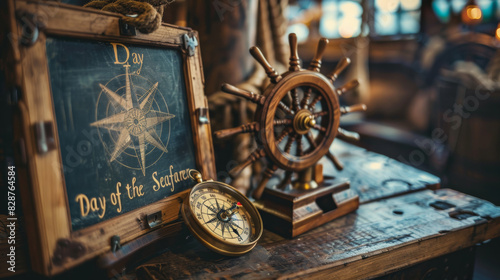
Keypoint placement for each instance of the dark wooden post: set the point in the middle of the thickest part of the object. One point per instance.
(227, 29)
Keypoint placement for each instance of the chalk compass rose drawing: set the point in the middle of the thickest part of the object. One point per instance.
(131, 120)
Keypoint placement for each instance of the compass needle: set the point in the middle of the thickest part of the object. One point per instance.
(223, 228)
(229, 232)
(217, 201)
(211, 221)
(210, 208)
(234, 224)
(236, 231)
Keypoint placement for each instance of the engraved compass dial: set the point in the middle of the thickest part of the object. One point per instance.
(220, 217)
(221, 214)
(133, 122)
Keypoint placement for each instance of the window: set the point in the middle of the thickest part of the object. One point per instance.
(340, 19)
(444, 9)
(396, 17)
(298, 15)
(343, 18)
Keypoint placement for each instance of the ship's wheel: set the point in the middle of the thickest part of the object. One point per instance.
(297, 118)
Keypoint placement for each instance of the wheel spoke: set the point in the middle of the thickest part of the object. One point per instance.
(314, 101)
(282, 122)
(343, 63)
(288, 177)
(294, 55)
(299, 146)
(283, 135)
(295, 100)
(316, 62)
(285, 108)
(335, 161)
(256, 98)
(347, 135)
(311, 139)
(289, 97)
(320, 114)
(353, 108)
(320, 128)
(246, 128)
(268, 173)
(289, 143)
(305, 100)
(287, 180)
(347, 87)
(253, 157)
(271, 73)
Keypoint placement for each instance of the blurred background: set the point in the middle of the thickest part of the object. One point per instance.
(429, 73)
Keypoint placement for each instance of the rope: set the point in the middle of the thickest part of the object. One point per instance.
(149, 12)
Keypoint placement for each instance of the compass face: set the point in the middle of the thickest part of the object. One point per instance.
(222, 215)
(221, 218)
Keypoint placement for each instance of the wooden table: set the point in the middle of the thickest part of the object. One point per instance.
(405, 227)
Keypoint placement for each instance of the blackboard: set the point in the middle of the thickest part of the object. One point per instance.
(123, 124)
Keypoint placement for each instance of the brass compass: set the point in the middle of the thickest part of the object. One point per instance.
(220, 217)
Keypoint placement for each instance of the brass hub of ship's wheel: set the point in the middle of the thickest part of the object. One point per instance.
(303, 121)
(297, 117)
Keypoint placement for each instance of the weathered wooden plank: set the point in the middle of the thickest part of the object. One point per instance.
(379, 238)
(69, 20)
(374, 176)
(456, 265)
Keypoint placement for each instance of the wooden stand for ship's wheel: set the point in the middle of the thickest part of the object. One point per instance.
(292, 211)
(296, 121)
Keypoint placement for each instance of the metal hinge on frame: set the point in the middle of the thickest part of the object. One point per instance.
(126, 29)
(45, 137)
(202, 115)
(31, 27)
(115, 243)
(190, 43)
(154, 219)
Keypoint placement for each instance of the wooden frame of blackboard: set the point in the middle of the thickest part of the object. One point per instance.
(54, 247)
